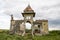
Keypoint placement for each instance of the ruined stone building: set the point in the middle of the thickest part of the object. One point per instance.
(39, 27)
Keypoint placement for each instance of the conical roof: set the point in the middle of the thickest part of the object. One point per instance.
(28, 9)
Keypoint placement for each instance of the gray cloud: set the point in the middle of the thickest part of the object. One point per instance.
(55, 22)
(53, 6)
(45, 9)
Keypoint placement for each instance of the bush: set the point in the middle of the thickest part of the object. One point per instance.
(53, 35)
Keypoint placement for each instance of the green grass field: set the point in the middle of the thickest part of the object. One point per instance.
(53, 35)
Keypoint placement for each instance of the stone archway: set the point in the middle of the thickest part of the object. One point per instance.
(28, 26)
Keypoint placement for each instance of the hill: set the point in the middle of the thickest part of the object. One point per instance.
(53, 35)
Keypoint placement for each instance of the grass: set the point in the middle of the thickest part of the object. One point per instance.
(53, 35)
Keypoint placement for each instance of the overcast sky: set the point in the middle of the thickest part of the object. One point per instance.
(45, 9)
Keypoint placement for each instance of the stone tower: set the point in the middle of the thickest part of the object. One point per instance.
(28, 15)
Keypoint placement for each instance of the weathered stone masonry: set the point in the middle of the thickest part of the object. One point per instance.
(39, 27)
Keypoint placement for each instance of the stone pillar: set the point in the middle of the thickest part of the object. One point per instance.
(24, 26)
(12, 27)
(41, 28)
(22, 29)
(32, 30)
(12, 24)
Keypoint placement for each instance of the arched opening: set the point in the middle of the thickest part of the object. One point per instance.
(28, 27)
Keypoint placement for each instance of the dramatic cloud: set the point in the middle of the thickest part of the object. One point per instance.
(45, 9)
